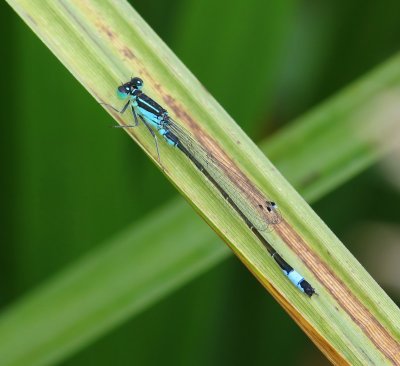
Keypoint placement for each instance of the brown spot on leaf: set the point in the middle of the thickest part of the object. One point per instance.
(128, 53)
(107, 31)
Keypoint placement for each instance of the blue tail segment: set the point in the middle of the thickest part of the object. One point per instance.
(296, 278)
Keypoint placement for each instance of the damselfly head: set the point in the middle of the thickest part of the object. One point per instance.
(129, 88)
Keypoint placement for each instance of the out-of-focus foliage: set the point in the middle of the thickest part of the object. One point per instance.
(60, 180)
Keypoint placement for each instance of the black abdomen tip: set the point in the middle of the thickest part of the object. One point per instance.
(307, 288)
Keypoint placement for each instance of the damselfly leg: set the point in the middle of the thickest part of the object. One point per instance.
(135, 118)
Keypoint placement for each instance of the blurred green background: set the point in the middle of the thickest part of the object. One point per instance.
(61, 179)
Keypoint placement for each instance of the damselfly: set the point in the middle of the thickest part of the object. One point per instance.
(251, 205)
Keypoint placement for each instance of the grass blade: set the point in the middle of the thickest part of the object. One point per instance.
(96, 42)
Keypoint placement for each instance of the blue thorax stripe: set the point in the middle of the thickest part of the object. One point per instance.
(149, 104)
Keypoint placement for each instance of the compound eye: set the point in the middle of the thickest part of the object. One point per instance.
(123, 92)
(138, 83)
